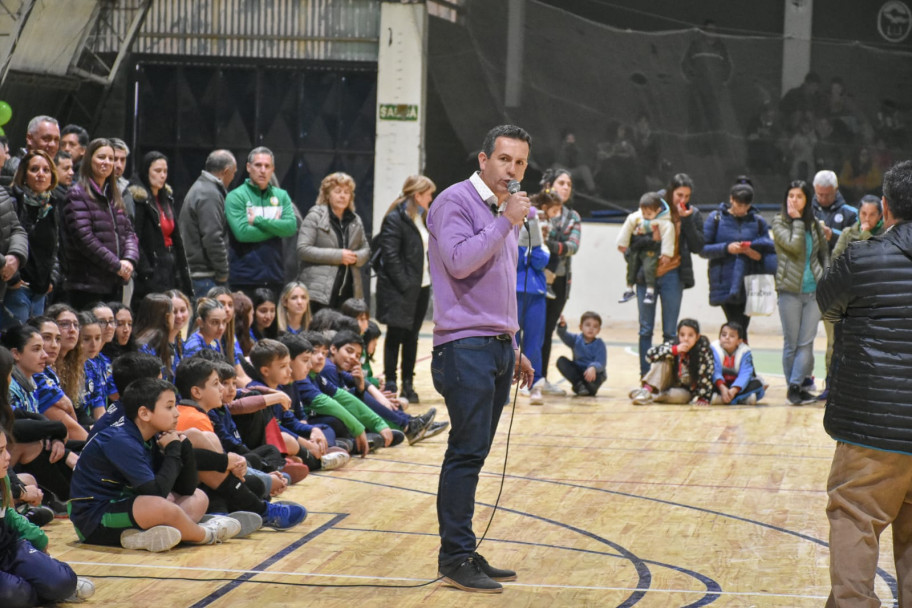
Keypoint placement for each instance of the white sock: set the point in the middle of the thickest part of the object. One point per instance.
(650, 290)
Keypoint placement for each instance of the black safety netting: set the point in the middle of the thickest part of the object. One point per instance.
(624, 110)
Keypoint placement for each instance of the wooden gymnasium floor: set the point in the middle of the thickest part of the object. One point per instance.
(604, 504)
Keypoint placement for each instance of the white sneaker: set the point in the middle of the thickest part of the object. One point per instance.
(250, 521)
(642, 397)
(333, 460)
(155, 539)
(751, 399)
(524, 392)
(219, 528)
(84, 590)
(552, 390)
(716, 399)
(535, 396)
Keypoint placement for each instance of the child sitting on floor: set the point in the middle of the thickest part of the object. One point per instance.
(651, 220)
(734, 378)
(124, 493)
(586, 372)
(681, 371)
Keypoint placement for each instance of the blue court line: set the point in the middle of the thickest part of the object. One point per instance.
(886, 576)
(225, 589)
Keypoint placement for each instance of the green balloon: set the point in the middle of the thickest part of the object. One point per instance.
(6, 112)
(2, 132)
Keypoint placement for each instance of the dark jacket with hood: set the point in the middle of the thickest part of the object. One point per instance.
(13, 238)
(726, 271)
(837, 217)
(866, 292)
(41, 223)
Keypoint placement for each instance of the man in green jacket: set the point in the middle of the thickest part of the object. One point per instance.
(259, 216)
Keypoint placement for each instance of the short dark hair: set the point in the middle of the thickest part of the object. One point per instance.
(130, 367)
(144, 393)
(190, 372)
(371, 333)
(591, 314)
(316, 338)
(324, 319)
(343, 323)
(354, 308)
(296, 345)
(897, 189)
(742, 193)
(61, 154)
(347, 337)
(691, 323)
(266, 351)
(734, 326)
(225, 370)
(209, 354)
(81, 134)
(509, 131)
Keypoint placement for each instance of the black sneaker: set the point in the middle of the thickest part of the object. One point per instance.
(794, 394)
(580, 389)
(469, 576)
(39, 516)
(390, 387)
(418, 426)
(408, 393)
(807, 397)
(346, 444)
(495, 574)
(398, 437)
(436, 428)
(375, 441)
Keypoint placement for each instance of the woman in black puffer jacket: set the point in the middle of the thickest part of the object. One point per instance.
(403, 280)
(162, 263)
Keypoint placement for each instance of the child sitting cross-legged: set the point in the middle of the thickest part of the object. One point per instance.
(224, 474)
(586, 372)
(681, 371)
(135, 484)
(734, 378)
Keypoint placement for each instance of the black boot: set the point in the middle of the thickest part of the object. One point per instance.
(408, 392)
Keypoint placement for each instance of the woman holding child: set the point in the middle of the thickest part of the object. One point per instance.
(675, 274)
(802, 256)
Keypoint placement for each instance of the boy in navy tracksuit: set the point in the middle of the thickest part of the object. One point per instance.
(586, 372)
(125, 474)
(124, 370)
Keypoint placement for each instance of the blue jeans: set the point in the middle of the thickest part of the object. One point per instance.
(531, 308)
(35, 578)
(799, 314)
(670, 290)
(19, 305)
(474, 377)
(397, 417)
(202, 286)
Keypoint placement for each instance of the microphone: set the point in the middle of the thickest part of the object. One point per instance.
(513, 187)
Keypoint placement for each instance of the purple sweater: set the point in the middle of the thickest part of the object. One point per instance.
(473, 258)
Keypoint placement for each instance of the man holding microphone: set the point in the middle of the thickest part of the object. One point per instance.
(472, 250)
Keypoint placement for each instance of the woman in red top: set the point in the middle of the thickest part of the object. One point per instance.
(162, 264)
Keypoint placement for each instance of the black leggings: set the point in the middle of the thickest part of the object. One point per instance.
(735, 312)
(407, 337)
(552, 313)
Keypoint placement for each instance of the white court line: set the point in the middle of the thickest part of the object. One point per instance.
(426, 580)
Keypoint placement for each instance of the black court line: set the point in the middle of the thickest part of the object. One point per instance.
(640, 565)
(227, 588)
(886, 576)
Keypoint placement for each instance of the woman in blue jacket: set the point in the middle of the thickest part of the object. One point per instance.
(531, 288)
(737, 244)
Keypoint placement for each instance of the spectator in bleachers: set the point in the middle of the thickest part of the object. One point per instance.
(404, 280)
(243, 321)
(162, 264)
(293, 310)
(121, 152)
(32, 187)
(332, 246)
(154, 331)
(802, 256)
(264, 314)
(101, 245)
(203, 225)
(68, 366)
(798, 102)
(860, 175)
(830, 207)
(65, 172)
(123, 331)
(259, 216)
(13, 241)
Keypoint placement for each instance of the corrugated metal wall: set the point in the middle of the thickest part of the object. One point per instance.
(345, 30)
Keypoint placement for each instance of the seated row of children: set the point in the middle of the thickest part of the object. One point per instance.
(690, 369)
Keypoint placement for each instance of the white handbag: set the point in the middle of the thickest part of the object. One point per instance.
(761, 295)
